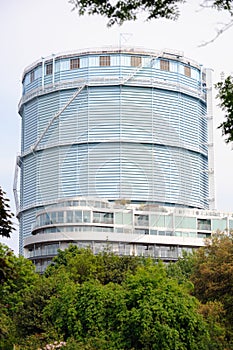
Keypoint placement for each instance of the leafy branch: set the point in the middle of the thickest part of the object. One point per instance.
(225, 94)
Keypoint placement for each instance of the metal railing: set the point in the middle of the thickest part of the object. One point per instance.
(112, 80)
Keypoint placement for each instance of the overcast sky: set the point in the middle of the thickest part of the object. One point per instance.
(30, 29)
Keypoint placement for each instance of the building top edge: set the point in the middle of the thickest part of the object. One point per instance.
(165, 53)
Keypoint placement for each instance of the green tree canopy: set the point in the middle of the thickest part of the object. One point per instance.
(83, 265)
(6, 225)
(148, 310)
(105, 302)
(213, 272)
(225, 95)
(125, 10)
(17, 274)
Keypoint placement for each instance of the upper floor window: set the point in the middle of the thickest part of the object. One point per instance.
(49, 69)
(32, 76)
(74, 63)
(187, 71)
(164, 65)
(100, 217)
(104, 60)
(204, 224)
(136, 61)
(141, 220)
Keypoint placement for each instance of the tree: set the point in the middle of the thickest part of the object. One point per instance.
(104, 302)
(213, 311)
(82, 265)
(143, 309)
(161, 312)
(6, 225)
(225, 94)
(17, 274)
(213, 314)
(212, 277)
(32, 328)
(182, 269)
(125, 10)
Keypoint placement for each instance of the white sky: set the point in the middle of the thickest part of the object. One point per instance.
(30, 29)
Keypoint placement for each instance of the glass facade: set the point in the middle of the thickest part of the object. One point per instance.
(158, 232)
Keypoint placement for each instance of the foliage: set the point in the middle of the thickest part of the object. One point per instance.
(161, 313)
(213, 278)
(147, 310)
(121, 11)
(78, 263)
(213, 314)
(213, 270)
(28, 316)
(83, 265)
(94, 314)
(40, 341)
(225, 94)
(125, 10)
(15, 272)
(114, 268)
(107, 302)
(183, 268)
(6, 225)
(16, 275)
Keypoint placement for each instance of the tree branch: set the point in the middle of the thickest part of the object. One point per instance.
(220, 31)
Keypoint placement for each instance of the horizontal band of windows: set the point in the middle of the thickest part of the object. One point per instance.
(118, 248)
(125, 60)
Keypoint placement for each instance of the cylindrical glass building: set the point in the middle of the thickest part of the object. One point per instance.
(113, 124)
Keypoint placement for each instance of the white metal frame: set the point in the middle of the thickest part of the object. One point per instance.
(210, 118)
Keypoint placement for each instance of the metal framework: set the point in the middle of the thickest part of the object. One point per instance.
(15, 184)
(77, 92)
(210, 140)
(57, 115)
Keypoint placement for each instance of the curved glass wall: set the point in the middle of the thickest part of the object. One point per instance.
(147, 230)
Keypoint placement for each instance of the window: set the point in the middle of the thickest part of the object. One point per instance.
(78, 216)
(105, 218)
(187, 71)
(49, 69)
(60, 218)
(141, 231)
(32, 76)
(164, 65)
(74, 63)
(69, 216)
(204, 224)
(46, 220)
(104, 60)
(86, 216)
(141, 220)
(136, 61)
(54, 217)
